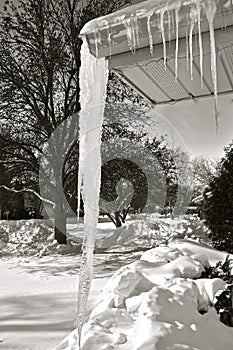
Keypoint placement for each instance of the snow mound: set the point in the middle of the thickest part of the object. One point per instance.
(160, 303)
(151, 231)
(36, 237)
(32, 238)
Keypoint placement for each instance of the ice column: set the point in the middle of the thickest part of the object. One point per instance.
(93, 81)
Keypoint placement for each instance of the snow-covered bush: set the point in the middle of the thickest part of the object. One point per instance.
(224, 300)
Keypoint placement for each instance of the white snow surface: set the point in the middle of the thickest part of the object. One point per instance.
(151, 302)
(155, 303)
(38, 306)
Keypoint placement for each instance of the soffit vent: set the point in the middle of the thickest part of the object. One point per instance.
(165, 79)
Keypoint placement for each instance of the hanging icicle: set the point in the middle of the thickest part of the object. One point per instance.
(210, 10)
(169, 25)
(131, 34)
(191, 46)
(187, 47)
(163, 37)
(173, 20)
(150, 14)
(137, 31)
(96, 44)
(109, 41)
(92, 98)
(177, 43)
(200, 39)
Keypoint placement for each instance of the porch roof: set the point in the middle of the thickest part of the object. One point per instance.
(125, 38)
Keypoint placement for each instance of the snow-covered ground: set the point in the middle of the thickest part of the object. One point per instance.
(154, 299)
(38, 303)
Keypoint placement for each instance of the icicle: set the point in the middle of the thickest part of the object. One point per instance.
(163, 37)
(109, 41)
(177, 42)
(131, 36)
(187, 47)
(191, 47)
(99, 37)
(169, 25)
(210, 10)
(96, 44)
(137, 31)
(92, 97)
(149, 31)
(200, 40)
(173, 21)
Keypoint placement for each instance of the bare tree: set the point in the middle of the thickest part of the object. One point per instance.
(39, 79)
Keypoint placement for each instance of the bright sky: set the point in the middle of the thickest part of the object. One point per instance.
(195, 122)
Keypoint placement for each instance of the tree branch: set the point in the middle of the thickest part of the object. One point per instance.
(30, 191)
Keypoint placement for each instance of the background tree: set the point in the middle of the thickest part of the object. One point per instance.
(204, 169)
(39, 78)
(219, 216)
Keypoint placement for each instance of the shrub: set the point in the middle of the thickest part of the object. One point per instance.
(219, 216)
(223, 300)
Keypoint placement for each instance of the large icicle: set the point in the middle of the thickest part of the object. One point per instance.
(92, 98)
(210, 10)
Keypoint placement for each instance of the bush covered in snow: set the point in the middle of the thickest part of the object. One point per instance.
(224, 300)
(159, 302)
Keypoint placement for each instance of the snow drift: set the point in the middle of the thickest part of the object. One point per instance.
(159, 302)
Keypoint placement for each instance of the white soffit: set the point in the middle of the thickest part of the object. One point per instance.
(158, 83)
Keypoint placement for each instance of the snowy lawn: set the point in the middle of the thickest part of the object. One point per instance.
(37, 309)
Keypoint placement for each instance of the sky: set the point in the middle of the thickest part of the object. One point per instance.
(194, 121)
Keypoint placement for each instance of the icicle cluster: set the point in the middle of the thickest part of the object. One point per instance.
(166, 17)
(93, 81)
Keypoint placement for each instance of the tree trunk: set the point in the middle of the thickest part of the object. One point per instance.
(118, 219)
(60, 220)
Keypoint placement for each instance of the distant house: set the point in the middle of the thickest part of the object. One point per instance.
(202, 203)
(22, 205)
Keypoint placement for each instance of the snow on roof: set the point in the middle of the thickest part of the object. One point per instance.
(144, 9)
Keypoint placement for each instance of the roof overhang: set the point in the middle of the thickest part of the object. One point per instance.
(124, 39)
